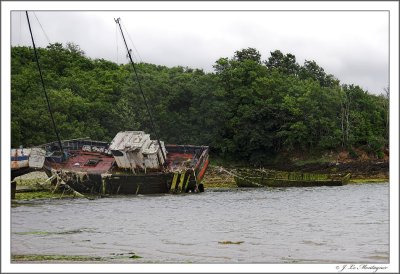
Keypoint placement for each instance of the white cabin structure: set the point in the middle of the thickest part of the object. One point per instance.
(134, 150)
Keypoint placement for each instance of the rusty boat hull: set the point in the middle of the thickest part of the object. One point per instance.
(88, 167)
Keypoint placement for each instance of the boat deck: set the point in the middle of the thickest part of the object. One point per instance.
(84, 161)
(95, 162)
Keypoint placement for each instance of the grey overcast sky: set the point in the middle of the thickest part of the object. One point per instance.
(351, 45)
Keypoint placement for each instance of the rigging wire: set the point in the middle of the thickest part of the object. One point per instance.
(48, 40)
(20, 28)
(141, 90)
(133, 45)
(44, 88)
(135, 58)
(116, 40)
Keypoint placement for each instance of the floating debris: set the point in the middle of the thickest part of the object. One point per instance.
(135, 257)
(231, 243)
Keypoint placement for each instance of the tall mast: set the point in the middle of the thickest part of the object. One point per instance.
(140, 87)
(44, 88)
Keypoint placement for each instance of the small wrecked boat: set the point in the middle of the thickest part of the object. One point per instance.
(25, 160)
(131, 164)
(271, 178)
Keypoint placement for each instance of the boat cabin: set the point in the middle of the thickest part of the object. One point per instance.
(134, 150)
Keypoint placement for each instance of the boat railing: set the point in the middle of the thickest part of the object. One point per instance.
(75, 144)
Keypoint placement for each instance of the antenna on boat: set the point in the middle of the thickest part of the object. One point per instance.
(140, 87)
(44, 88)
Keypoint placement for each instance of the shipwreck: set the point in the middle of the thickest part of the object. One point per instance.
(132, 163)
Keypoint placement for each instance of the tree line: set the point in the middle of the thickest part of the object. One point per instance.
(247, 109)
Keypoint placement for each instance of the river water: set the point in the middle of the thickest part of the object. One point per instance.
(346, 224)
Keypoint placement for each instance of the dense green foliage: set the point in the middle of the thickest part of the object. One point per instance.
(248, 109)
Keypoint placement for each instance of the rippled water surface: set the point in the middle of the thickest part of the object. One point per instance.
(288, 225)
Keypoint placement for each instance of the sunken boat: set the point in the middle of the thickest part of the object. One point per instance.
(272, 178)
(131, 164)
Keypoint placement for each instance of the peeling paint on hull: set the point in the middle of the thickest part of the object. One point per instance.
(94, 171)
